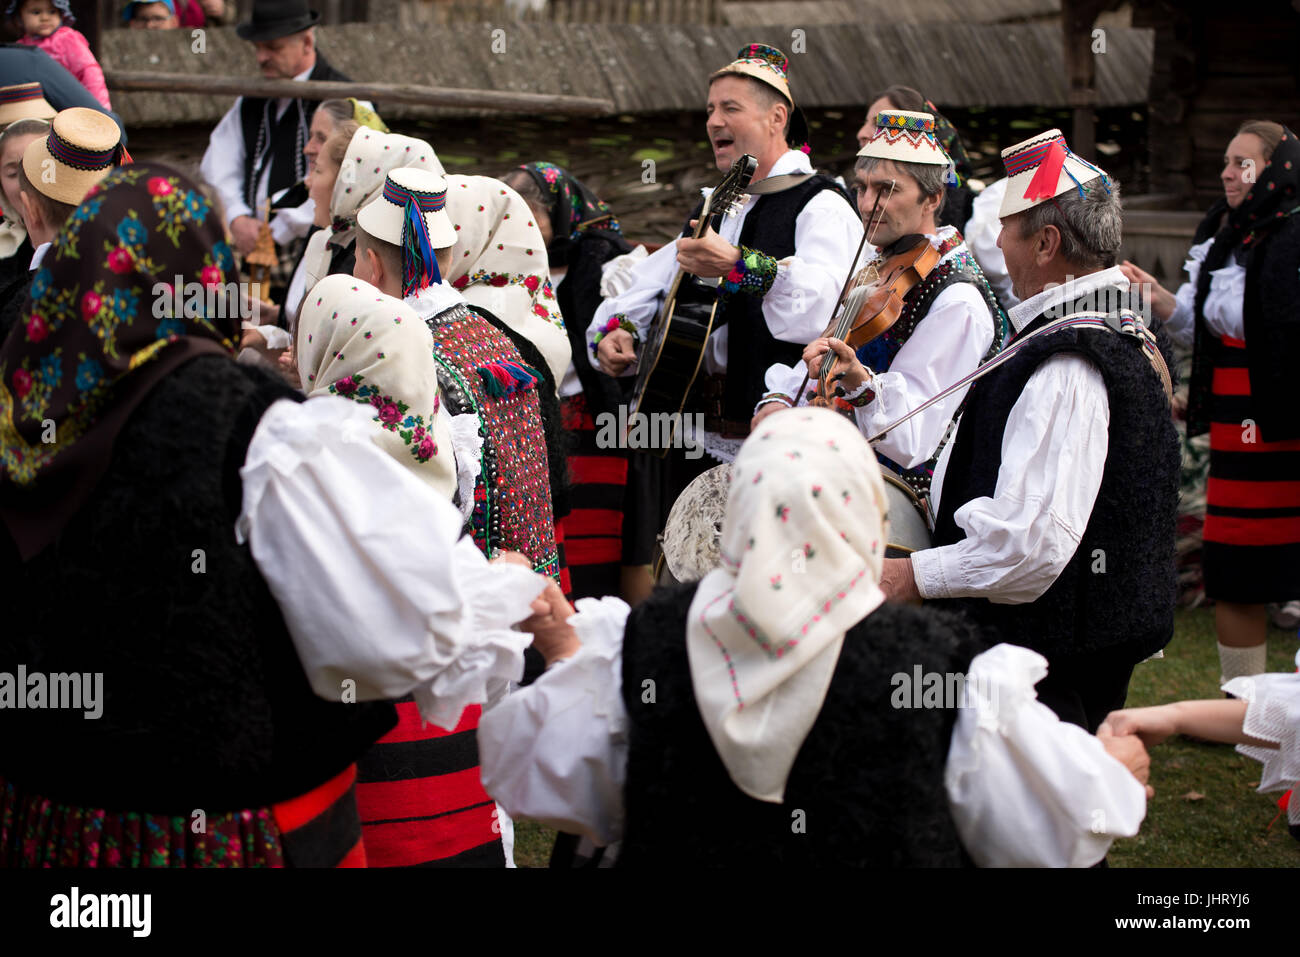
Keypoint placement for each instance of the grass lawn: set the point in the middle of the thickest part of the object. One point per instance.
(1227, 826)
(1206, 812)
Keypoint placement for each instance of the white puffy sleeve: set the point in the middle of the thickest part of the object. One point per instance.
(365, 563)
(640, 299)
(222, 166)
(1026, 789)
(556, 751)
(1273, 714)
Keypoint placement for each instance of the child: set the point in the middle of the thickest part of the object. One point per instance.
(44, 24)
(1263, 722)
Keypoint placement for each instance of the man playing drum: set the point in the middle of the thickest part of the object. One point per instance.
(1056, 500)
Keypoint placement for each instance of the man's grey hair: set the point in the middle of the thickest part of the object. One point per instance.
(930, 177)
(1091, 226)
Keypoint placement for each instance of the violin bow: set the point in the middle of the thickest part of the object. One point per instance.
(871, 219)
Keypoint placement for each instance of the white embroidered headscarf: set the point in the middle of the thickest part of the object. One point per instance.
(370, 157)
(499, 262)
(360, 344)
(803, 543)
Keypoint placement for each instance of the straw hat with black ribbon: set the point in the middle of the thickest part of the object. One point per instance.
(81, 149)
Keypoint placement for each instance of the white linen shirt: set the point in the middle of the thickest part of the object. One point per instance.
(800, 300)
(1025, 789)
(223, 169)
(1053, 456)
(1223, 303)
(946, 345)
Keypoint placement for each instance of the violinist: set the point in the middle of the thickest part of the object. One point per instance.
(950, 320)
(1055, 501)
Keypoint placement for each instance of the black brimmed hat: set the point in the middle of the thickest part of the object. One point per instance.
(273, 19)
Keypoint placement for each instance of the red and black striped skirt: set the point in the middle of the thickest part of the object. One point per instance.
(592, 532)
(421, 800)
(1252, 515)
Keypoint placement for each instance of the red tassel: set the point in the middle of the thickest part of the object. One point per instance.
(1044, 183)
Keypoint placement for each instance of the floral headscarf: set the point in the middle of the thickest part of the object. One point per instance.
(573, 207)
(499, 263)
(803, 545)
(950, 140)
(359, 344)
(101, 329)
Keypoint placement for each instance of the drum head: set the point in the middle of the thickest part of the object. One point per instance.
(692, 538)
(909, 526)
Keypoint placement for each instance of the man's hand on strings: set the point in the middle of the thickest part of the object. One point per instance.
(854, 373)
(616, 351)
(708, 257)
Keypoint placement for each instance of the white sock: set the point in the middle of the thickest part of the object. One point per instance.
(1236, 662)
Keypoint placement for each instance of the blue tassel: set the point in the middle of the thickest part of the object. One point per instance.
(419, 264)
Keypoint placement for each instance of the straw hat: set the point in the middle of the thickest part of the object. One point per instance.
(23, 101)
(82, 147)
(1042, 168)
(769, 65)
(905, 137)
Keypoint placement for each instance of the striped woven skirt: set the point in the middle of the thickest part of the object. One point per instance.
(421, 801)
(318, 829)
(592, 532)
(1252, 515)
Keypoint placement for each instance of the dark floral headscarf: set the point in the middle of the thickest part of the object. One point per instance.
(100, 329)
(573, 208)
(950, 140)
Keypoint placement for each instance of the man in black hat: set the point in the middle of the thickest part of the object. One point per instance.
(256, 151)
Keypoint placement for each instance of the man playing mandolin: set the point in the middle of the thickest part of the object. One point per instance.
(949, 321)
(782, 257)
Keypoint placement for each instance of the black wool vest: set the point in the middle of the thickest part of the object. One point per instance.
(867, 788)
(278, 142)
(1118, 590)
(751, 347)
(205, 704)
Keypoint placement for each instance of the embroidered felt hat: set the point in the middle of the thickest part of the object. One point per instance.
(273, 19)
(23, 101)
(1042, 168)
(82, 147)
(411, 213)
(770, 66)
(905, 137)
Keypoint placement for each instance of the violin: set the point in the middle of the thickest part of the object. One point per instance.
(872, 300)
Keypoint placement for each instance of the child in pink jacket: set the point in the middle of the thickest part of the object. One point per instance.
(44, 24)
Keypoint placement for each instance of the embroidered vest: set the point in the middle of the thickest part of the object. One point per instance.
(866, 789)
(879, 353)
(204, 701)
(1119, 588)
(481, 372)
(751, 349)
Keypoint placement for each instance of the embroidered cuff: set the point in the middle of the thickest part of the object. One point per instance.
(864, 394)
(616, 321)
(753, 274)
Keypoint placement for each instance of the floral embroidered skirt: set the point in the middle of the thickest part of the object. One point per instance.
(37, 832)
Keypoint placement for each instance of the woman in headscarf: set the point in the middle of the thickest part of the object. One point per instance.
(273, 577)
(582, 234)
(500, 267)
(778, 712)
(418, 788)
(332, 118)
(353, 177)
(1239, 312)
